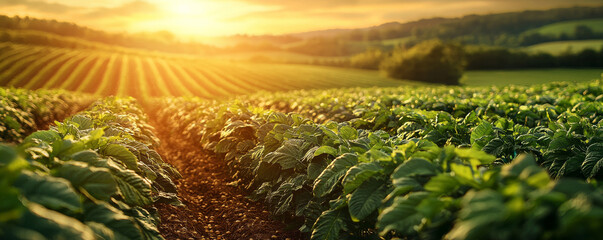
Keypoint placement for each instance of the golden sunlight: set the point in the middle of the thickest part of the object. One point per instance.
(188, 18)
(186, 7)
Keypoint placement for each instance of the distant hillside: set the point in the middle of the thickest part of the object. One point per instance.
(322, 33)
(560, 47)
(466, 27)
(157, 41)
(513, 29)
(569, 27)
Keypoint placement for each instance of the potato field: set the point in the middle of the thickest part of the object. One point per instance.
(513, 162)
(301, 120)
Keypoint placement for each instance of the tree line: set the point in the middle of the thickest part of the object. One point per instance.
(438, 61)
(503, 29)
(156, 41)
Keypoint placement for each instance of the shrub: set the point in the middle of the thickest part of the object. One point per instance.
(371, 59)
(430, 61)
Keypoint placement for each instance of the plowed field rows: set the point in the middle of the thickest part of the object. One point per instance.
(144, 76)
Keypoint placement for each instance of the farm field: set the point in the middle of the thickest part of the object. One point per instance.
(142, 76)
(529, 77)
(275, 56)
(370, 150)
(139, 130)
(556, 48)
(146, 76)
(568, 27)
(371, 162)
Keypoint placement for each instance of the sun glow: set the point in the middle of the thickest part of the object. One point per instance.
(187, 7)
(199, 17)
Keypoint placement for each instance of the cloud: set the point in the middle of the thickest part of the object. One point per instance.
(305, 4)
(259, 16)
(40, 6)
(109, 15)
(129, 9)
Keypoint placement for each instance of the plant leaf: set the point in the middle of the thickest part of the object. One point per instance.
(356, 175)
(51, 192)
(481, 135)
(99, 182)
(592, 165)
(122, 226)
(414, 167)
(328, 225)
(122, 154)
(328, 179)
(402, 215)
(326, 149)
(289, 155)
(366, 199)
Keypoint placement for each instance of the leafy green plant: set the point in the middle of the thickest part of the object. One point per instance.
(23, 111)
(92, 176)
(405, 163)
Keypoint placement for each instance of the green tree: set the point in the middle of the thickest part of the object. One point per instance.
(370, 59)
(430, 61)
(583, 32)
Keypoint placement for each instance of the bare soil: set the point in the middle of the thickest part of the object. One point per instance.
(214, 210)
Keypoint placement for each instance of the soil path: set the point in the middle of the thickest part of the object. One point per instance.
(214, 210)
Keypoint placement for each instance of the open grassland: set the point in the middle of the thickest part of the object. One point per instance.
(568, 27)
(139, 75)
(529, 77)
(559, 47)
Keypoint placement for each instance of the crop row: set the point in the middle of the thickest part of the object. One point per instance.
(557, 122)
(426, 163)
(144, 76)
(23, 111)
(93, 176)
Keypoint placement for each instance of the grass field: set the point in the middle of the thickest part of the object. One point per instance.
(568, 27)
(559, 47)
(527, 77)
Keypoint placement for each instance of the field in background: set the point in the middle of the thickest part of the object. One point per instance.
(527, 77)
(568, 27)
(139, 75)
(556, 48)
(273, 56)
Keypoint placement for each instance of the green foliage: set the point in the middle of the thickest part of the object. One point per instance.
(413, 163)
(92, 176)
(430, 61)
(529, 205)
(370, 59)
(23, 111)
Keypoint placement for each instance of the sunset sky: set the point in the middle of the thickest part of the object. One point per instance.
(227, 17)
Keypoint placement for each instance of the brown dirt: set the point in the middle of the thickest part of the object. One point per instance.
(214, 210)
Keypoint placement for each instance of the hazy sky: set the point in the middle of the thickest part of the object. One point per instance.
(226, 17)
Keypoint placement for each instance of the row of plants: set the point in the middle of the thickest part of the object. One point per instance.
(475, 169)
(25, 111)
(346, 104)
(557, 122)
(95, 175)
